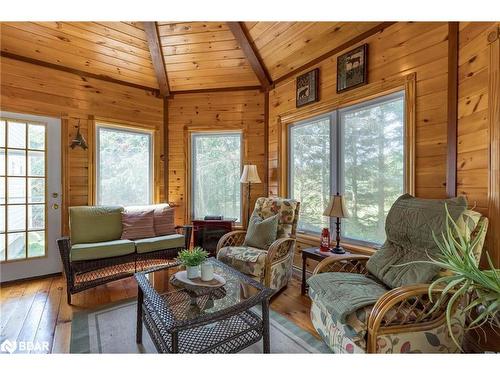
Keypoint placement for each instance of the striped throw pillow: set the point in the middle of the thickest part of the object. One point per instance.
(164, 220)
(138, 224)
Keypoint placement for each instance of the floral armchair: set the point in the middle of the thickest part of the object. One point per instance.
(272, 267)
(400, 321)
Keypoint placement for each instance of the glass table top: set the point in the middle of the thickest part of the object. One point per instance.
(179, 302)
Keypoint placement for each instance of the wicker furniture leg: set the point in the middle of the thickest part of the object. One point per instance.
(304, 264)
(265, 326)
(175, 342)
(140, 299)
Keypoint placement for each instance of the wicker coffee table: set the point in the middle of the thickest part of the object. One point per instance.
(202, 320)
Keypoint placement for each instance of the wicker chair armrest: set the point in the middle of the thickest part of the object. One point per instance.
(344, 263)
(187, 230)
(234, 238)
(280, 249)
(405, 309)
(64, 245)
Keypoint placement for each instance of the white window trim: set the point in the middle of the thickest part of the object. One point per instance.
(192, 168)
(336, 184)
(125, 129)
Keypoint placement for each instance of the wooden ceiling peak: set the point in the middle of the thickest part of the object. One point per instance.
(251, 54)
(153, 39)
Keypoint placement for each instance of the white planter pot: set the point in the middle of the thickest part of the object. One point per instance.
(193, 272)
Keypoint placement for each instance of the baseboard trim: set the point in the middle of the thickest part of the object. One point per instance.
(10, 282)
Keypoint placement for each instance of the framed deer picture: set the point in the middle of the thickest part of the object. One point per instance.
(352, 68)
(307, 88)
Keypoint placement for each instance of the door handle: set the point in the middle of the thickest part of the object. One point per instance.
(55, 195)
(55, 206)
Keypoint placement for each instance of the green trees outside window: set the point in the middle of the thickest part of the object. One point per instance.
(357, 151)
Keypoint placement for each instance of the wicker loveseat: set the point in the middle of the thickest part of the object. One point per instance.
(399, 322)
(95, 254)
(272, 267)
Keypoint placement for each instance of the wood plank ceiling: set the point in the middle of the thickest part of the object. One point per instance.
(112, 49)
(286, 46)
(197, 55)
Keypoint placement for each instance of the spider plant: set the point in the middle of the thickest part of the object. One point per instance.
(478, 289)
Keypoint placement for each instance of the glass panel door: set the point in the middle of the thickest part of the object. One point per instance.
(23, 158)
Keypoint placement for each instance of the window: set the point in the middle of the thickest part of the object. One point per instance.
(310, 172)
(22, 189)
(357, 151)
(124, 166)
(215, 174)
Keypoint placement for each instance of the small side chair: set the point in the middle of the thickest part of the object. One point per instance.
(272, 267)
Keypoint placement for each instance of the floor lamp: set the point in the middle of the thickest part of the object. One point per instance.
(249, 176)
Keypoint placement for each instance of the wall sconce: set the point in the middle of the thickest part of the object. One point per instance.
(78, 140)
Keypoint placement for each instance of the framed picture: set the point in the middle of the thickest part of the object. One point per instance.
(307, 88)
(352, 69)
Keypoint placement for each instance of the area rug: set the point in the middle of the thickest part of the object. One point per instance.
(111, 329)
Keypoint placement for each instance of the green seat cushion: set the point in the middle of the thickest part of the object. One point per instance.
(99, 250)
(171, 241)
(91, 224)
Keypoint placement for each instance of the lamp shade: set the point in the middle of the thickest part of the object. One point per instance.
(250, 175)
(336, 207)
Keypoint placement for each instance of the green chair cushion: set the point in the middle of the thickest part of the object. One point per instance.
(171, 241)
(261, 233)
(100, 250)
(91, 224)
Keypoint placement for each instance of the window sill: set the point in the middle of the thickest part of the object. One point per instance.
(352, 247)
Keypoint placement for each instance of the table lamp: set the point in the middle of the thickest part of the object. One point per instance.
(249, 176)
(336, 208)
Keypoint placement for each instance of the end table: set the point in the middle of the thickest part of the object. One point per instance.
(314, 254)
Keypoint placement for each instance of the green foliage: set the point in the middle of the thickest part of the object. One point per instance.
(370, 162)
(373, 167)
(192, 258)
(466, 279)
(310, 172)
(124, 177)
(216, 175)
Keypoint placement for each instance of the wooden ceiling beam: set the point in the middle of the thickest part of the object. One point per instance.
(251, 54)
(336, 50)
(153, 38)
(220, 89)
(77, 72)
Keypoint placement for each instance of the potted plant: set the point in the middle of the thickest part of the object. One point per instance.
(479, 290)
(192, 259)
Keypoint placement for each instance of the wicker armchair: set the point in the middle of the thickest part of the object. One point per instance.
(272, 267)
(399, 322)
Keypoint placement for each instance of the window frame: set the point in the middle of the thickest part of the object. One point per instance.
(25, 119)
(337, 157)
(124, 129)
(192, 167)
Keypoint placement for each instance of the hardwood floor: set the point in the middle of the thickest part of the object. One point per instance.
(36, 311)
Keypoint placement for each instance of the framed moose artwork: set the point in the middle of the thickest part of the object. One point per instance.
(307, 88)
(352, 68)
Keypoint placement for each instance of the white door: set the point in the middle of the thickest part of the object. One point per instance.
(30, 195)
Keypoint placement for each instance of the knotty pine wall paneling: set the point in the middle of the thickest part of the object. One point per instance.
(474, 124)
(214, 111)
(32, 89)
(400, 49)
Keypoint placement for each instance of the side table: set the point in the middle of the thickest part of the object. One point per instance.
(314, 254)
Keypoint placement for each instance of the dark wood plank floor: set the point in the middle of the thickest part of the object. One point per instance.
(36, 311)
